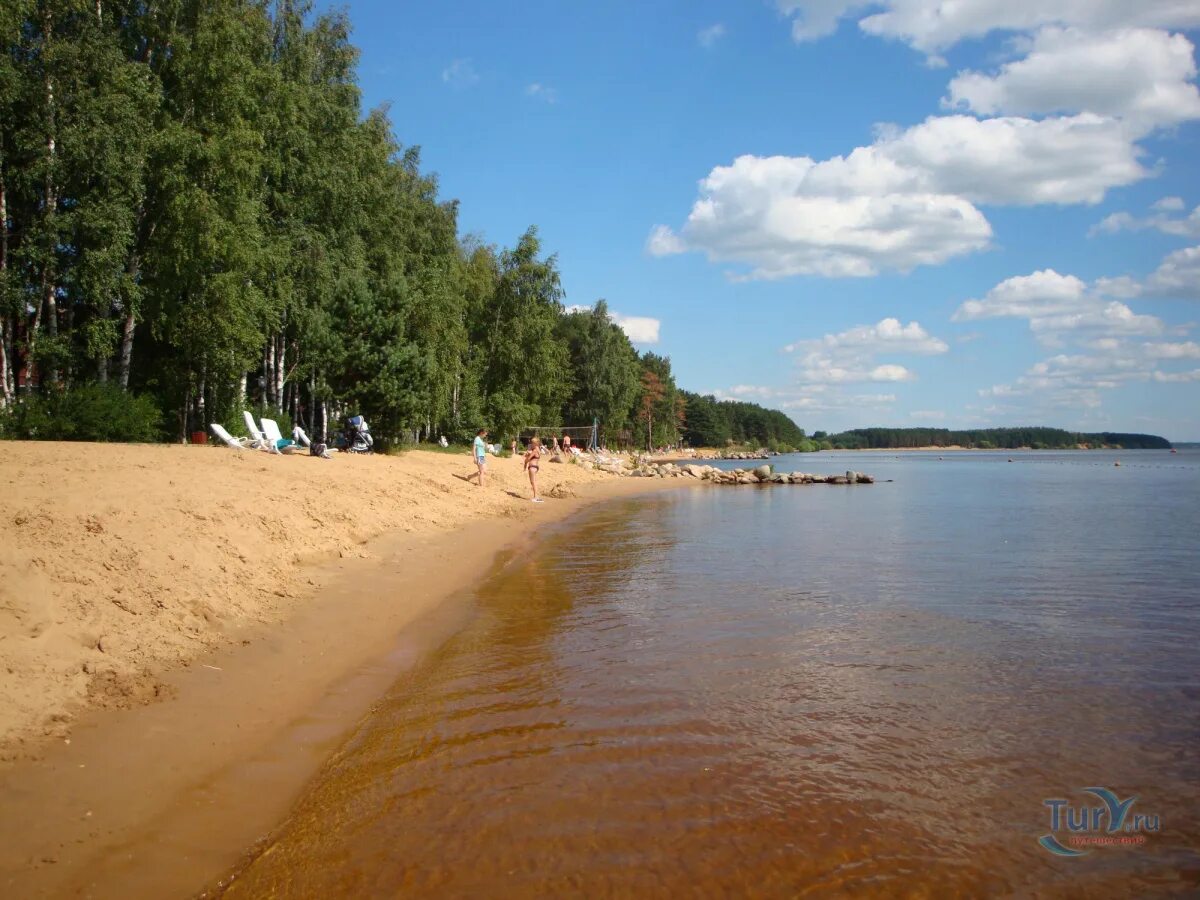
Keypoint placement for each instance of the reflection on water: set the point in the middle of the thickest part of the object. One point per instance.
(786, 691)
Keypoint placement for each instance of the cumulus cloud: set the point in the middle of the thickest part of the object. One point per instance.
(1177, 377)
(664, 242)
(460, 74)
(1141, 76)
(850, 357)
(1080, 379)
(1177, 277)
(906, 200)
(708, 37)
(1160, 219)
(936, 25)
(1181, 350)
(813, 398)
(639, 329)
(1054, 304)
(887, 336)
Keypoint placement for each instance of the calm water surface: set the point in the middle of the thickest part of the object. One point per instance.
(792, 691)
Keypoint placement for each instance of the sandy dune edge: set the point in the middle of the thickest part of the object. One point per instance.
(118, 563)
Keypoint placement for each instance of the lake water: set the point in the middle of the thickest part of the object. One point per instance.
(798, 690)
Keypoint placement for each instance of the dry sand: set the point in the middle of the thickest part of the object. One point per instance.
(271, 599)
(120, 562)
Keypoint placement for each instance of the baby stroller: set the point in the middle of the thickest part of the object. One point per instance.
(357, 435)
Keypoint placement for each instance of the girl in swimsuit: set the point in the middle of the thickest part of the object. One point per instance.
(532, 455)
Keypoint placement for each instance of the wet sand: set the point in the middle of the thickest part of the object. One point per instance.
(157, 800)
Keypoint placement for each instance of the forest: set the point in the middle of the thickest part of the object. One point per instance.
(197, 216)
(986, 439)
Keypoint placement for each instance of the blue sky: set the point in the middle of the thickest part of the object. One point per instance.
(896, 213)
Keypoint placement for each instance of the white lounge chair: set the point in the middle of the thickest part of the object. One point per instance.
(300, 437)
(228, 439)
(276, 439)
(258, 439)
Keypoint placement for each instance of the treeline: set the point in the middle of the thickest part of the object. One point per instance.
(196, 217)
(985, 438)
(718, 423)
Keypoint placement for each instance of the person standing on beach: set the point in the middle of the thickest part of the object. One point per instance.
(479, 451)
(532, 456)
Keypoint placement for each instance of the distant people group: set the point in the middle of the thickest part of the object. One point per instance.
(531, 459)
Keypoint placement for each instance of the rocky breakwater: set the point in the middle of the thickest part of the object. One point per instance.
(760, 475)
(750, 454)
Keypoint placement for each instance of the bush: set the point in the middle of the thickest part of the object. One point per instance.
(89, 412)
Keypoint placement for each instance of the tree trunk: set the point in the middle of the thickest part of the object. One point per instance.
(6, 330)
(49, 287)
(268, 380)
(200, 422)
(277, 375)
(126, 349)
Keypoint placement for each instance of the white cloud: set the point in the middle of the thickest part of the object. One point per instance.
(1055, 304)
(639, 329)
(1080, 379)
(1177, 377)
(708, 37)
(806, 398)
(906, 200)
(887, 336)
(1177, 277)
(460, 74)
(1140, 76)
(1168, 204)
(542, 92)
(935, 25)
(1161, 219)
(664, 242)
(850, 356)
(1013, 160)
(1181, 350)
(929, 415)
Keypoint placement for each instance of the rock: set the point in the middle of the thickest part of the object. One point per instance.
(864, 479)
(837, 479)
(763, 472)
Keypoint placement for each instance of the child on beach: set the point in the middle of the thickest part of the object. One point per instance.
(532, 455)
(479, 451)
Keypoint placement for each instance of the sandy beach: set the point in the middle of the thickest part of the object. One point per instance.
(242, 610)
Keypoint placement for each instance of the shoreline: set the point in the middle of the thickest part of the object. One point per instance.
(164, 798)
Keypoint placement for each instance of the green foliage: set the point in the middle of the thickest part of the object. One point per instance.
(720, 423)
(93, 412)
(199, 210)
(988, 438)
(604, 369)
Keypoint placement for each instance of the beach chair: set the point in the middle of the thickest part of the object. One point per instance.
(275, 438)
(257, 437)
(300, 437)
(228, 439)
